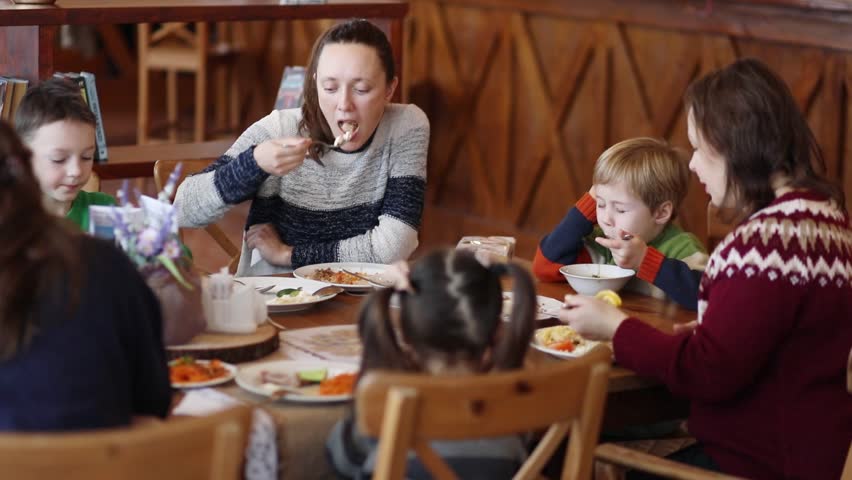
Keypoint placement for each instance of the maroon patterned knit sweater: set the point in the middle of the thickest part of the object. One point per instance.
(766, 367)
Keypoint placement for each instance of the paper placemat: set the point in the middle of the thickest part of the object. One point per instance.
(338, 343)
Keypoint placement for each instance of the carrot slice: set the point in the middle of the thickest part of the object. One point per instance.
(566, 346)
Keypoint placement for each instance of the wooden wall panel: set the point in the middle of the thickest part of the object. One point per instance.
(523, 96)
(522, 103)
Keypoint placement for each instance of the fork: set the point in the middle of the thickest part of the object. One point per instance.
(369, 280)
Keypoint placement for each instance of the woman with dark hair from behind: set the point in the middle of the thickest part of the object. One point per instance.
(340, 180)
(449, 323)
(765, 365)
(80, 335)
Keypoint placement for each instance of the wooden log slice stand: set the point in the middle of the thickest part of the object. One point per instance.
(229, 347)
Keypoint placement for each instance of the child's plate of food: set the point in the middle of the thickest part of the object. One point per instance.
(334, 274)
(561, 341)
(305, 381)
(546, 307)
(287, 294)
(187, 372)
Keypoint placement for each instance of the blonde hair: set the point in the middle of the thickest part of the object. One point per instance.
(653, 170)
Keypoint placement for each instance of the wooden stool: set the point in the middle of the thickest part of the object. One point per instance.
(175, 48)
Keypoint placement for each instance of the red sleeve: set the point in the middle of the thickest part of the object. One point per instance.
(650, 265)
(544, 269)
(587, 205)
(727, 350)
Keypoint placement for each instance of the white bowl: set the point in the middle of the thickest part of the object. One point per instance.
(591, 278)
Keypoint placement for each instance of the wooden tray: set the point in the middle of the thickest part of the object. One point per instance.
(228, 347)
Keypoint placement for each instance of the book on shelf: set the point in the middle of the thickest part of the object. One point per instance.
(2, 98)
(290, 89)
(88, 90)
(13, 91)
(94, 104)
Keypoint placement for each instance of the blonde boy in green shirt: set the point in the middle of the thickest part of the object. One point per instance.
(55, 123)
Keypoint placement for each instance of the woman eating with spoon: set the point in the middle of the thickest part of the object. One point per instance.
(341, 179)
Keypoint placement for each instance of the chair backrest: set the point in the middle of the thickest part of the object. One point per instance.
(720, 222)
(187, 449)
(847, 468)
(164, 168)
(407, 411)
(93, 184)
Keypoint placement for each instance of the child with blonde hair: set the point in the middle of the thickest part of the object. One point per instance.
(626, 219)
(449, 323)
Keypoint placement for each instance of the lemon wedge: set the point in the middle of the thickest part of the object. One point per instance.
(610, 297)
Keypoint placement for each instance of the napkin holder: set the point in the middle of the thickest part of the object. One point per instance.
(239, 313)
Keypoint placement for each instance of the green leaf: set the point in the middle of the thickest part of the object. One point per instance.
(172, 268)
(293, 292)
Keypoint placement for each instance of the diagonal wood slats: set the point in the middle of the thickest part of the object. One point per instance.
(510, 110)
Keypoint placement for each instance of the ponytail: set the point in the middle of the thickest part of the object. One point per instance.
(381, 349)
(514, 337)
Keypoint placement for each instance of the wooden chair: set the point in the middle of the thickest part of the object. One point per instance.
(847, 468)
(716, 228)
(174, 48)
(629, 458)
(407, 411)
(164, 168)
(93, 184)
(186, 449)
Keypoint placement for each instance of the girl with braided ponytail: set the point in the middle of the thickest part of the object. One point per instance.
(449, 323)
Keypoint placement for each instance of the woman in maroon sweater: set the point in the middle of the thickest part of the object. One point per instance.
(765, 366)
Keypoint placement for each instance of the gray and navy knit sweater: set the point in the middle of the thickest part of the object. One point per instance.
(363, 206)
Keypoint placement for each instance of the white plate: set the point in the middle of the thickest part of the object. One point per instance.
(543, 309)
(232, 372)
(280, 283)
(356, 267)
(578, 352)
(249, 378)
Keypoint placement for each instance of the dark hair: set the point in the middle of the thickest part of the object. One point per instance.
(747, 114)
(452, 315)
(53, 100)
(352, 31)
(37, 250)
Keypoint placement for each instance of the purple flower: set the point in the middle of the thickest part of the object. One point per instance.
(149, 242)
(169, 189)
(172, 249)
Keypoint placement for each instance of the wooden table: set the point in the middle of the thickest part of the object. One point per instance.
(632, 399)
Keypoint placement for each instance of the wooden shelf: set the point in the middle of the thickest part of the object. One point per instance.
(96, 12)
(28, 32)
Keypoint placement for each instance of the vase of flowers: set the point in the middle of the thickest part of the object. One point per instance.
(148, 234)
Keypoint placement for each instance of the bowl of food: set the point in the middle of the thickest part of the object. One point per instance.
(591, 278)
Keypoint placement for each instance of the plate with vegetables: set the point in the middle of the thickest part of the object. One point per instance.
(187, 372)
(300, 381)
(288, 294)
(561, 341)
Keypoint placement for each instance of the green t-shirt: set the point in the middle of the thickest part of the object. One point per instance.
(672, 242)
(79, 212)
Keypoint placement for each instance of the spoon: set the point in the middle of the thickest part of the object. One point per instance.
(329, 290)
